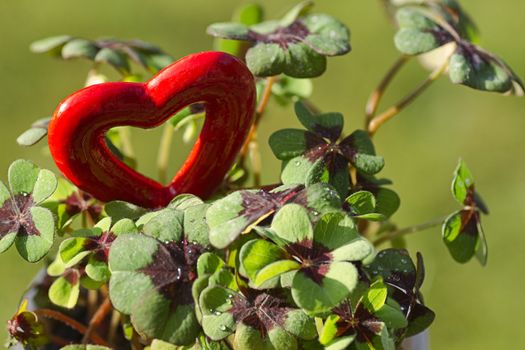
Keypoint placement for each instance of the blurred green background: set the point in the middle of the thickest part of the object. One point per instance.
(477, 308)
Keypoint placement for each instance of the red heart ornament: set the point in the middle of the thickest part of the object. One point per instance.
(78, 127)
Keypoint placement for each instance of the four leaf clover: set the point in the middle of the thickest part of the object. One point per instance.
(23, 221)
(427, 27)
(317, 262)
(315, 155)
(296, 45)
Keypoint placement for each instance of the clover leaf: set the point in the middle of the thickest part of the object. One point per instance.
(297, 45)
(91, 246)
(404, 280)
(462, 230)
(314, 155)
(25, 327)
(387, 202)
(368, 323)
(23, 221)
(240, 211)
(322, 257)
(117, 53)
(427, 27)
(153, 284)
(258, 318)
(363, 205)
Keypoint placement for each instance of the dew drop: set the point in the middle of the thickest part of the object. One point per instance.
(297, 163)
(404, 261)
(223, 328)
(217, 313)
(230, 296)
(315, 213)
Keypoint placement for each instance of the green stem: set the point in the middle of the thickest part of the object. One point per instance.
(377, 94)
(408, 230)
(379, 120)
(164, 152)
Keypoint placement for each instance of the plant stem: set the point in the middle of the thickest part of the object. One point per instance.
(68, 321)
(259, 112)
(164, 152)
(377, 94)
(115, 321)
(255, 157)
(407, 230)
(379, 120)
(97, 319)
(250, 145)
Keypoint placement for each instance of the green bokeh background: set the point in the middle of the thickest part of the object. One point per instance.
(477, 308)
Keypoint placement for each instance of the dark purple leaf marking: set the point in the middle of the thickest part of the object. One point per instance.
(283, 36)
(261, 310)
(100, 245)
(359, 322)
(80, 202)
(15, 216)
(173, 270)
(315, 258)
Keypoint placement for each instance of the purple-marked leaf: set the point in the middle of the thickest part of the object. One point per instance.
(255, 317)
(320, 293)
(331, 169)
(65, 290)
(240, 211)
(296, 46)
(359, 150)
(476, 68)
(290, 143)
(461, 234)
(154, 285)
(404, 280)
(327, 125)
(418, 32)
(26, 328)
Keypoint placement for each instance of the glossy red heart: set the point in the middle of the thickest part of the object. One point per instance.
(78, 127)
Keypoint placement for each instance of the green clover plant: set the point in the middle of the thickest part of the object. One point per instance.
(297, 264)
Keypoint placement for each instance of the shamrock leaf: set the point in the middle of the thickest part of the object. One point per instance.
(24, 327)
(240, 211)
(36, 133)
(22, 220)
(387, 202)
(313, 155)
(404, 281)
(68, 202)
(117, 53)
(91, 247)
(368, 323)
(259, 319)
(432, 25)
(296, 46)
(462, 231)
(322, 257)
(363, 205)
(154, 284)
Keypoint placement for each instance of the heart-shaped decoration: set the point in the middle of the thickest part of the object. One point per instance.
(77, 129)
